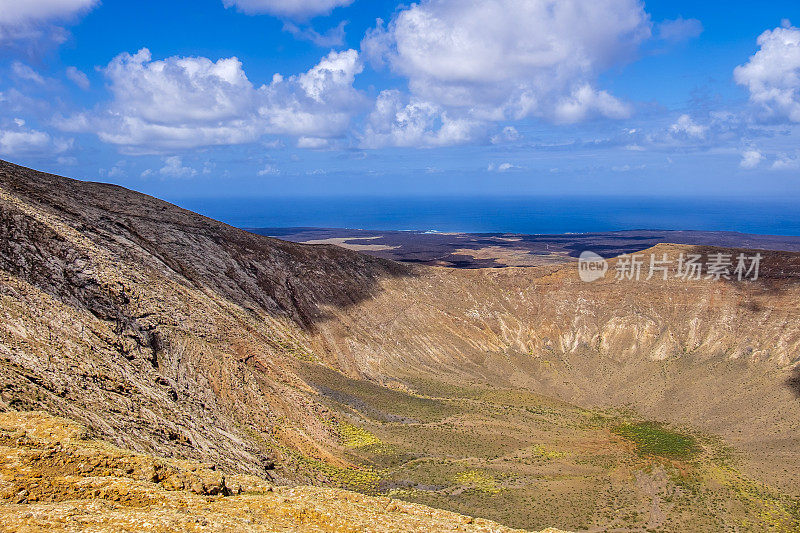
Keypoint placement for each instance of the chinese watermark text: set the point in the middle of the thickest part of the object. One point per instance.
(687, 267)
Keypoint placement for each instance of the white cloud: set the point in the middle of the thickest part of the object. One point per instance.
(296, 9)
(312, 142)
(33, 20)
(268, 170)
(78, 77)
(786, 162)
(187, 102)
(337, 69)
(24, 72)
(13, 12)
(627, 168)
(586, 102)
(508, 134)
(329, 39)
(751, 159)
(395, 122)
(17, 142)
(318, 103)
(172, 104)
(772, 75)
(680, 29)
(502, 167)
(687, 127)
(21, 141)
(173, 168)
(509, 59)
(691, 133)
(179, 89)
(116, 171)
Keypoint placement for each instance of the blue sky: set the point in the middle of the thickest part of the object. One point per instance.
(244, 98)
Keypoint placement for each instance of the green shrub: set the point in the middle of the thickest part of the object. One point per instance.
(654, 439)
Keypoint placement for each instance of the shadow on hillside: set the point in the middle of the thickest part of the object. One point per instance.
(303, 280)
(794, 382)
(141, 233)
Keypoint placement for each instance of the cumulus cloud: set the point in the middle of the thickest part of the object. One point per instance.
(179, 89)
(751, 159)
(688, 128)
(338, 69)
(502, 167)
(78, 77)
(295, 9)
(786, 162)
(318, 103)
(178, 102)
(186, 102)
(414, 123)
(174, 168)
(772, 75)
(268, 170)
(586, 102)
(680, 29)
(19, 140)
(509, 59)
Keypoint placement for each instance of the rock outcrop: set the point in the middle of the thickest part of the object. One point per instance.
(52, 478)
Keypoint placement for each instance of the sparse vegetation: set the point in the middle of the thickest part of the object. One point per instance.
(540, 451)
(477, 480)
(528, 461)
(363, 480)
(654, 439)
(356, 437)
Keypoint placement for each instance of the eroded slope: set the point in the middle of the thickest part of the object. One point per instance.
(162, 330)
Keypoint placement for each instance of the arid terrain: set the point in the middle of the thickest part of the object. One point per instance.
(499, 250)
(258, 375)
(55, 479)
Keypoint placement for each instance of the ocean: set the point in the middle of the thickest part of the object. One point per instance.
(530, 215)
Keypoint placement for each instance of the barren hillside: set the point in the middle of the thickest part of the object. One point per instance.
(158, 328)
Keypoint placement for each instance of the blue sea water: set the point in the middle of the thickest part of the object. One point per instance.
(532, 215)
